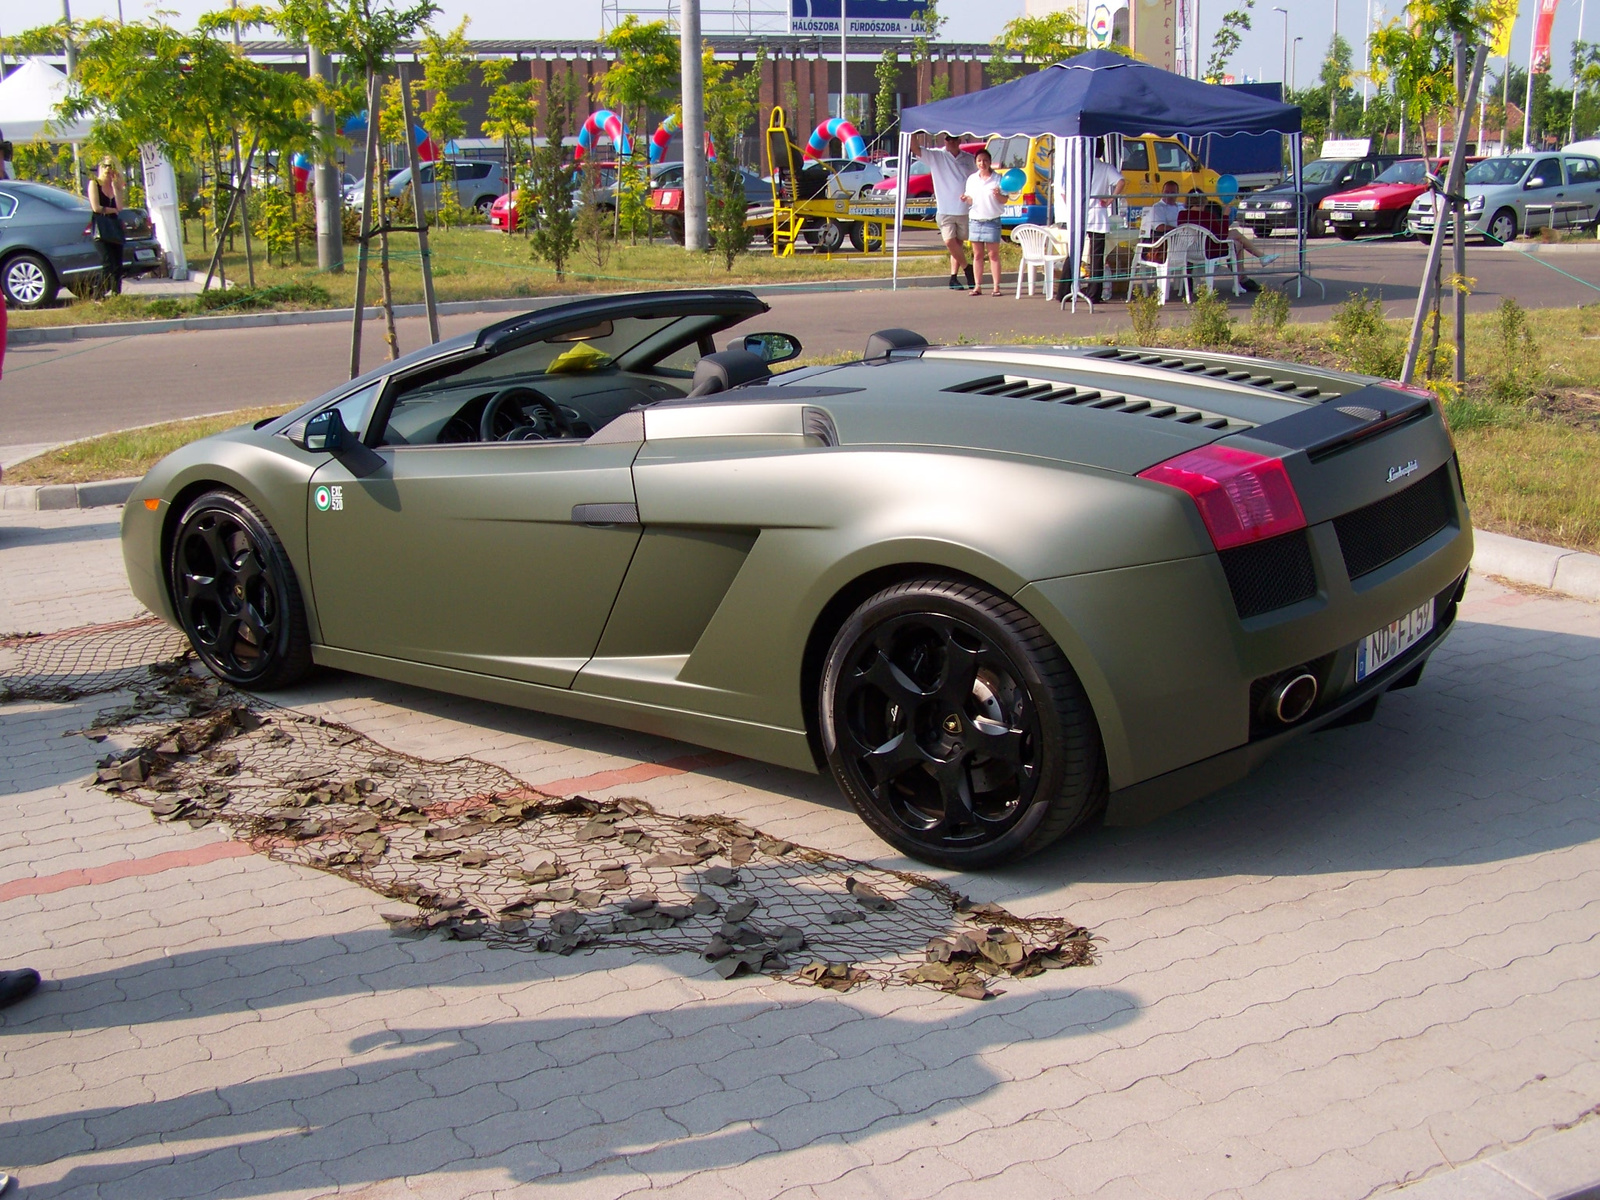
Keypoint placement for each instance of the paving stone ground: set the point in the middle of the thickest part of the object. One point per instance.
(1373, 961)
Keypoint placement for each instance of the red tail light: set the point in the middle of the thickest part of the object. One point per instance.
(1030, 197)
(1242, 496)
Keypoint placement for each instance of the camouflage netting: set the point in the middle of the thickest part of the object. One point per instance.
(483, 855)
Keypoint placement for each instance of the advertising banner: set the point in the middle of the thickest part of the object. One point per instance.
(161, 203)
(1541, 35)
(864, 18)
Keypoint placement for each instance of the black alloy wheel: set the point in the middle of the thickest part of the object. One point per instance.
(235, 594)
(956, 727)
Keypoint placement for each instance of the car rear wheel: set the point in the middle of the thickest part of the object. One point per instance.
(235, 594)
(483, 204)
(28, 281)
(1502, 228)
(956, 727)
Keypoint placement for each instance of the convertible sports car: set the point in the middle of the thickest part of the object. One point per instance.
(1000, 592)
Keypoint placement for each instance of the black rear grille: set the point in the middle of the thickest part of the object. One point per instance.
(1380, 533)
(1271, 574)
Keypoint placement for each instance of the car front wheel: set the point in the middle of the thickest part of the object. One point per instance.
(236, 596)
(1502, 228)
(956, 727)
(28, 281)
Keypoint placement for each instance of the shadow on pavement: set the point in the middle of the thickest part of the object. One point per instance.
(668, 1090)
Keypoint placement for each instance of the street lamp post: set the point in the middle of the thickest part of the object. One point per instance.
(1294, 63)
(1285, 73)
(693, 126)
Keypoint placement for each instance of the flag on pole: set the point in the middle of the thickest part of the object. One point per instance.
(1541, 35)
(1501, 46)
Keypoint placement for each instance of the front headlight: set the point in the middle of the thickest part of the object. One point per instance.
(1367, 205)
(1283, 204)
(1475, 204)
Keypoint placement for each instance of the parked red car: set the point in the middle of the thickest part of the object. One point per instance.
(1381, 206)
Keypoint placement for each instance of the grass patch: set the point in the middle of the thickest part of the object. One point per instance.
(481, 264)
(1534, 479)
(131, 452)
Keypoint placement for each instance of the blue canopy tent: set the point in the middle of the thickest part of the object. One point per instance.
(1093, 95)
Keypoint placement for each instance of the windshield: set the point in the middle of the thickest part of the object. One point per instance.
(50, 195)
(1414, 171)
(1499, 170)
(578, 350)
(1324, 170)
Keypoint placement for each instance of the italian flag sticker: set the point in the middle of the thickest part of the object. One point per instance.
(320, 498)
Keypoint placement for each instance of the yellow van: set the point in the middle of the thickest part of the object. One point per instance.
(1148, 162)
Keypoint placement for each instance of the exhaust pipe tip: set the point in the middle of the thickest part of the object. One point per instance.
(1293, 698)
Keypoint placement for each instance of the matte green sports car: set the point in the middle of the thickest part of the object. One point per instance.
(1000, 592)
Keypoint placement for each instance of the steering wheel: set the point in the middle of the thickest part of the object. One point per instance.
(492, 426)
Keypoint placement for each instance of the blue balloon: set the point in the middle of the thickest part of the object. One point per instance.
(1014, 180)
(1227, 187)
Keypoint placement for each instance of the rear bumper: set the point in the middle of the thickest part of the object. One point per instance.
(1176, 676)
(1146, 801)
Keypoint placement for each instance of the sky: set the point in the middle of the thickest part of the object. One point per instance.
(1260, 55)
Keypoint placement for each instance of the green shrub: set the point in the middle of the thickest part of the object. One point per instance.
(239, 299)
(1270, 312)
(1364, 337)
(1145, 309)
(1517, 371)
(164, 307)
(1210, 326)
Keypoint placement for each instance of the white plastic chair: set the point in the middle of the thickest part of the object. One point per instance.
(1181, 246)
(1229, 259)
(1038, 252)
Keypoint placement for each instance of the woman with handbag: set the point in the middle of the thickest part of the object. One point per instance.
(106, 199)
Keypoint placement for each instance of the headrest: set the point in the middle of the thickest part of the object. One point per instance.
(727, 369)
(885, 340)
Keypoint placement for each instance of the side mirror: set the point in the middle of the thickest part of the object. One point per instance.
(772, 347)
(1536, 182)
(324, 433)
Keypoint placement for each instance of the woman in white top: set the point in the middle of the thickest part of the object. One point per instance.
(987, 206)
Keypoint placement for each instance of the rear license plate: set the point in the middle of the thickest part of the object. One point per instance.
(1377, 650)
(144, 254)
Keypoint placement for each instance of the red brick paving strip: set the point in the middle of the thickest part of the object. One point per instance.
(45, 884)
(60, 882)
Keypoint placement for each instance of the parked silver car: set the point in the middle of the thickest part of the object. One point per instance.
(1520, 193)
(477, 184)
(46, 240)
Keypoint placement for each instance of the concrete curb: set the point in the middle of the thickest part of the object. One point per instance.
(1562, 1166)
(51, 497)
(330, 316)
(1554, 567)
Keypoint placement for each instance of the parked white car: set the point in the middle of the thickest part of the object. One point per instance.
(1519, 193)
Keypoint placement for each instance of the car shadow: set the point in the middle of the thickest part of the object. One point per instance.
(676, 1086)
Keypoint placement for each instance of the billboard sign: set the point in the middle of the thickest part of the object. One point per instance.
(864, 18)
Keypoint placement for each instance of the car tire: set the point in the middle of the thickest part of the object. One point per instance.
(1502, 228)
(920, 672)
(860, 240)
(29, 281)
(483, 204)
(830, 237)
(235, 594)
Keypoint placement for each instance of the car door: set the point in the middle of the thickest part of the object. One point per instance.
(1583, 189)
(1541, 192)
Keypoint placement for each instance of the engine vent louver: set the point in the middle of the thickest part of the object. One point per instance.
(1020, 387)
(1207, 370)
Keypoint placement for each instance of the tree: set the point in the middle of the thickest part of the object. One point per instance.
(549, 219)
(1235, 24)
(922, 47)
(512, 111)
(446, 69)
(642, 78)
(1585, 90)
(1038, 41)
(731, 105)
(885, 112)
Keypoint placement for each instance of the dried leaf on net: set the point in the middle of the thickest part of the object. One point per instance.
(462, 841)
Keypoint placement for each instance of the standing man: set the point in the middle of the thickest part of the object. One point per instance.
(1105, 185)
(950, 168)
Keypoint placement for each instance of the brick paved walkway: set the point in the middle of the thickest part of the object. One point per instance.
(1375, 959)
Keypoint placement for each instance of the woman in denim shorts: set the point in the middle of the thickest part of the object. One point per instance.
(983, 220)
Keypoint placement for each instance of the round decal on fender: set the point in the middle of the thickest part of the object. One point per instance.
(320, 498)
